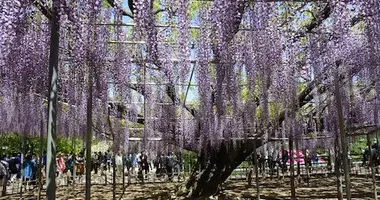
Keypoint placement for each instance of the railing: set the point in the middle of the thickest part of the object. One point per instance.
(133, 177)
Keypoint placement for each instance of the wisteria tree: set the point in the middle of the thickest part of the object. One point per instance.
(219, 78)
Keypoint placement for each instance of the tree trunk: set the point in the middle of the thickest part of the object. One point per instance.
(216, 166)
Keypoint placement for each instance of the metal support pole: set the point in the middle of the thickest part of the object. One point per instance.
(52, 103)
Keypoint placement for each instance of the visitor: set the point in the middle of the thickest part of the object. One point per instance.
(14, 170)
(95, 162)
(261, 159)
(134, 162)
(159, 164)
(43, 164)
(308, 159)
(28, 167)
(315, 160)
(70, 165)
(119, 163)
(128, 162)
(144, 162)
(18, 157)
(80, 164)
(35, 168)
(365, 154)
(156, 164)
(105, 161)
(373, 156)
(61, 166)
(3, 176)
(169, 166)
(108, 160)
(285, 158)
(179, 162)
(100, 162)
(140, 170)
(349, 159)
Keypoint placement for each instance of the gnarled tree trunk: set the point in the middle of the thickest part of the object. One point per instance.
(216, 166)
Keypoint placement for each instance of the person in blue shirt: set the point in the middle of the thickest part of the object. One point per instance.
(134, 162)
(44, 159)
(28, 167)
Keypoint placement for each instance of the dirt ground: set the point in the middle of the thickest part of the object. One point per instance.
(271, 189)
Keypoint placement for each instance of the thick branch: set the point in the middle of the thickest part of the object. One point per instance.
(123, 12)
(43, 8)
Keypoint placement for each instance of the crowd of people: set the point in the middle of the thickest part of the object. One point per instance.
(281, 159)
(70, 165)
(14, 169)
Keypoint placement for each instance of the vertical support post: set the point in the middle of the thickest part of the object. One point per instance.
(372, 165)
(74, 164)
(145, 117)
(22, 161)
(256, 170)
(342, 135)
(40, 160)
(145, 120)
(298, 161)
(52, 103)
(337, 166)
(307, 167)
(376, 119)
(123, 172)
(292, 185)
(113, 175)
(89, 135)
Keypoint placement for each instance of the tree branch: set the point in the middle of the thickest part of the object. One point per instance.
(128, 14)
(123, 12)
(43, 8)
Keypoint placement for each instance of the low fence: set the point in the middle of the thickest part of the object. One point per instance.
(133, 177)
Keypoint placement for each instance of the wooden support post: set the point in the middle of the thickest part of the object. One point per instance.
(306, 160)
(256, 171)
(292, 185)
(337, 168)
(298, 162)
(373, 170)
(343, 137)
(89, 134)
(22, 162)
(113, 176)
(40, 185)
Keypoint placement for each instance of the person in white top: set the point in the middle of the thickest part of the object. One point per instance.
(119, 163)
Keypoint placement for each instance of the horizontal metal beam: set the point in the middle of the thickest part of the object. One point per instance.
(141, 139)
(160, 139)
